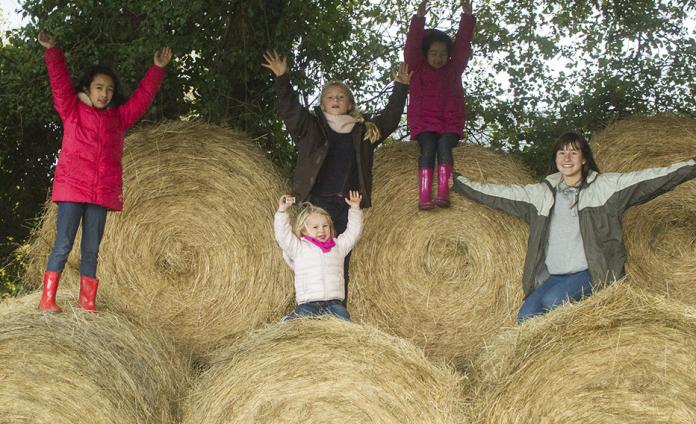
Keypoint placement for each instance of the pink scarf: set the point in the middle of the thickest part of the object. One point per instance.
(325, 246)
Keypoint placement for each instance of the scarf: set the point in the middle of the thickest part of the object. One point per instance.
(342, 124)
(325, 246)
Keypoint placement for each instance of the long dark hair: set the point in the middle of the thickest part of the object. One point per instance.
(435, 35)
(84, 82)
(577, 142)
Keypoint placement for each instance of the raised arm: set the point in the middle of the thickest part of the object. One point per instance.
(142, 97)
(388, 120)
(295, 116)
(64, 95)
(287, 241)
(461, 50)
(347, 240)
(413, 55)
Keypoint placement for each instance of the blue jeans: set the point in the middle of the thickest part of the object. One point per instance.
(556, 290)
(93, 219)
(432, 143)
(312, 309)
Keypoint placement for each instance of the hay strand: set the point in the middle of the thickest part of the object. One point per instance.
(78, 367)
(444, 279)
(324, 371)
(660, 235)
(620, 356)
(193, 251)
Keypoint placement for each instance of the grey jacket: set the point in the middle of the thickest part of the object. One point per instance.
(601, 203)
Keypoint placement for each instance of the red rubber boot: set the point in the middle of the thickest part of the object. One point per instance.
(50, 287)
(425, 182)
(88, 293)
(444, 172)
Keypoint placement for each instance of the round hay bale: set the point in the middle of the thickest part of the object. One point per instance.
(78, 367)
(193, 251)
(445, 279)
(620, 356)
(324, 371)
(660, 235)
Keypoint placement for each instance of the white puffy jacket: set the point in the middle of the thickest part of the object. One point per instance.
(318, 275)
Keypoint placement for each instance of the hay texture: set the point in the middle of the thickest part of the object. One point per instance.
(324, 371)
(660, 235)
(620, 356)
(78, 367)
(446, 279)
(193, 251)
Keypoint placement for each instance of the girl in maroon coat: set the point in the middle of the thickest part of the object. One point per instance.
(436, 109)
(88, 178)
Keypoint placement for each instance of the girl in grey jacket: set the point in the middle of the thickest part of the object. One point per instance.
(575, 232)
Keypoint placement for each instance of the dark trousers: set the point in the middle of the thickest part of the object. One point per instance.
(338, 209)
(432, 143)
(93, 219)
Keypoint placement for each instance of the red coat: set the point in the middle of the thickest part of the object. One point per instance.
(89, 165)
(436, 100)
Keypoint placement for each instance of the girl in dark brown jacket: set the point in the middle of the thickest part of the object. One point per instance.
(335, 144)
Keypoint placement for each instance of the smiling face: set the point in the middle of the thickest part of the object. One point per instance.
(336, 101)
(100, 91)
(317, 226)
(437, 54)
(569, 162)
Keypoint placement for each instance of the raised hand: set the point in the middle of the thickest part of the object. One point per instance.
(422, 8)
(46, 39)
(163, 56)
(275, 62)
(354, 199)
(466, 7)
(284, 202)
(403, 75)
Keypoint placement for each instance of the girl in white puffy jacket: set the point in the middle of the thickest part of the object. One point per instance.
(316, 255)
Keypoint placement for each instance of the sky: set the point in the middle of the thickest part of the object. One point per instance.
(9, 19)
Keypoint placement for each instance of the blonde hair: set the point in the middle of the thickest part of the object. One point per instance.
(372, 133)
(305, 213)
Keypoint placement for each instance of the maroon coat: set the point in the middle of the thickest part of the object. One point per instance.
(436, 101)
(89, 165)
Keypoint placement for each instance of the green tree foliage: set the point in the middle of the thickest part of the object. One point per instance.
(539, 68)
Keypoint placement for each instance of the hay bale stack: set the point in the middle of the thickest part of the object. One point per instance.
(445, 279)
(620, 356)
(193, 251)
(324, 371)
(77, 367)
(661, 234)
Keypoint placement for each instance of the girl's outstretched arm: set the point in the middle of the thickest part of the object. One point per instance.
(413, 55)
(64, 96)
(287, 241)
(461, 51)
(142, 97)
(347, 240)
(163, 57)
(388, 120)
(521, 201)
(295, 116)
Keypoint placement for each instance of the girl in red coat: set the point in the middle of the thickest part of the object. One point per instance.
(436, 109)
(88, 178)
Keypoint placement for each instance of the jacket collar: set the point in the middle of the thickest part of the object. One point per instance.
(555, 179)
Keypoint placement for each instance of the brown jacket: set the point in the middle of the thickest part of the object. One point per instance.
(309, 132)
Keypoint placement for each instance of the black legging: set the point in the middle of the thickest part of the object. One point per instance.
(431, 142)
